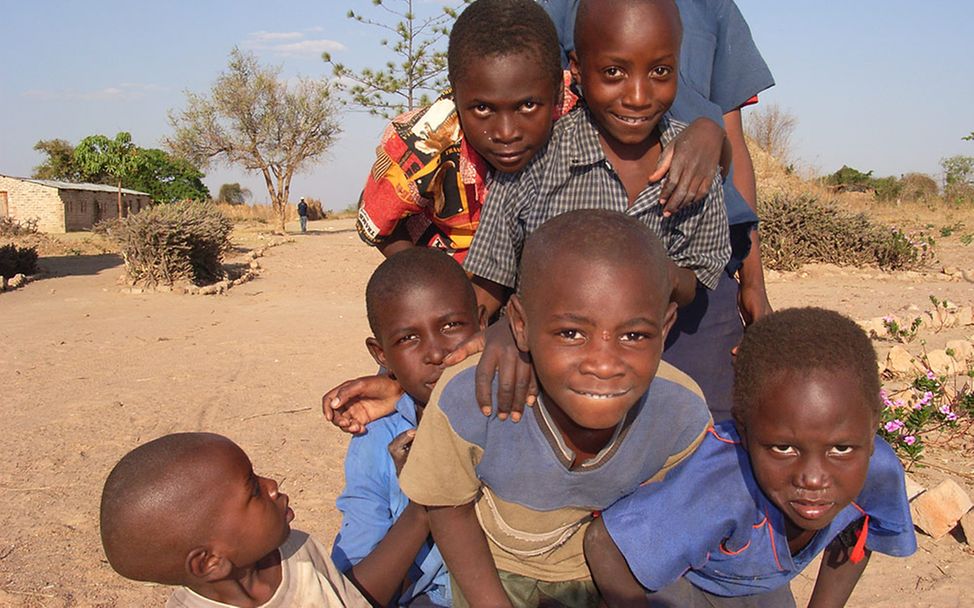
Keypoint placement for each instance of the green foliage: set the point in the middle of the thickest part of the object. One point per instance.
(233, 194)
(969, 137)
(851, 179)
(418, 68)
(116, 158)
(902, 334)
(803, 230)
(17, 260)
(887, 188)
(167, 178)
(59, 164)
(253, 118)
(958, 179)
(169, 243)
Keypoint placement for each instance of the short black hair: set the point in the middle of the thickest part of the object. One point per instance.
(412, 268)
(803, 340)
(593, 9)
(500, 28)
(592, 234)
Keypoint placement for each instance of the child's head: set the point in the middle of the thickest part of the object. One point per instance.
(187, 509)
(625, 62)
(593, 309)
(806, 403)
(420, 306)
(505, 68)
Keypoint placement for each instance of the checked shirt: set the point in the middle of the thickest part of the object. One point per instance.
(574, 173)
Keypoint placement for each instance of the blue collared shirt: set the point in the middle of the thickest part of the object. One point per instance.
(372, 502)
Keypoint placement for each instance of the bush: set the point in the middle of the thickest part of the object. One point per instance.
(169, 243)
(11, 227)
(918, 187)
(17, 260)
(803, 230)
(263, 214)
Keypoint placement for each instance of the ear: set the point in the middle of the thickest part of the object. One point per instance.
(574, 68)
(206, 566)
(519, 323)
(482, 316)
(375, 349)
(669, 318)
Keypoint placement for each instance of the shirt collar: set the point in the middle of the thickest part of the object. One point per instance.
(406, 408)
(565, 453)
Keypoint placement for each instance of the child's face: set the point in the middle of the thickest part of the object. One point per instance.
(595, 333)
(419, 329)
(505, 104)
(627, 70)
(252, 517)
(810, 438)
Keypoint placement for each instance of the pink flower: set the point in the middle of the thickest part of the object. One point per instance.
(931, 375)
(893, 425)
(888, 319)
(909, 440)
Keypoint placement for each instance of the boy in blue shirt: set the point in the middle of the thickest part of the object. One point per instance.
(799, 471)
(420, 306)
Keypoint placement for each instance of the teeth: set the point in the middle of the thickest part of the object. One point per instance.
(601, 395)
(632, 120)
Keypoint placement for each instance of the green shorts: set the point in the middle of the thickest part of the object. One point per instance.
(526, 592)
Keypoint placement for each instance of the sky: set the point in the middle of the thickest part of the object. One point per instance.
(881, 85)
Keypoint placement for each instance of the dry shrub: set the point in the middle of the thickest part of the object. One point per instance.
(315, 210)
(918, 187)
(263, 214)
(11, 227)
(176, 242)
(796, 231)
(17, 260)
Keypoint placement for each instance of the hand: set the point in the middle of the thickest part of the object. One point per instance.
(399, 448)
(516, 385)
(354, 403)
(689, 164)
(752, 301)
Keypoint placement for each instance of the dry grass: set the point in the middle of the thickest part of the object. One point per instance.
(263, 214)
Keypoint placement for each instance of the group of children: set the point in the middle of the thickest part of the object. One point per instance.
(616, 486)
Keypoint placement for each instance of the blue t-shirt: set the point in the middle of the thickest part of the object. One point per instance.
(372, 502)
(709, 521)
(720, 70)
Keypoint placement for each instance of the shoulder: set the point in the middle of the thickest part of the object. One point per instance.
(675, 380)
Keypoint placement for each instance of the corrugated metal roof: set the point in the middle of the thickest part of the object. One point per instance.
(90, 187)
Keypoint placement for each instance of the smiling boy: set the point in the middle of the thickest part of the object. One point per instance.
(187, 509)
(799, 471)
(595, 435)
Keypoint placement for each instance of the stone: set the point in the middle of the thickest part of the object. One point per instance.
(900, 361)
(874, 328)
(962, 349)
(254, 264)
(913, 489)
(938, 510)
(16, 281)
(941, 363)
(965, 315)
(967, 525)
(3, 283)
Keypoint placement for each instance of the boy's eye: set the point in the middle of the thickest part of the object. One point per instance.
(256, 486)
(634, 336)
(569, 334)
(783, 449)
(481, 109)
(407, 338)
(841, 450)
(661, 71)
(454, 325)
(529, 105)
(612, 72)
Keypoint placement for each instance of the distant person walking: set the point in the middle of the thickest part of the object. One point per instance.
(303, 215)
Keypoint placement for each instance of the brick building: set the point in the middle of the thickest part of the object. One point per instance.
(63, 206)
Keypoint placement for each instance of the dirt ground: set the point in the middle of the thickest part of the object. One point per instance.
(88, 372)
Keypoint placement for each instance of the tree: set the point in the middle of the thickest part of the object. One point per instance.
(417, 44)
(59, 164)
(969, 137)
(771, 129)
(233, 194)
(118, 158)
(167, 178)
(254, 119)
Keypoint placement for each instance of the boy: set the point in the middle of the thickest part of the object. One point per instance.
(595, 435)
(600, 155)
(799, 464)
(187, 509)
(420, 306)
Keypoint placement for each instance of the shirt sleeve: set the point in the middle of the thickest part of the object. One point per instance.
(739, 70)
(496, 249)
(698, 236)
(388, 197)
(365, 503)
(884, 499)
(442, 465)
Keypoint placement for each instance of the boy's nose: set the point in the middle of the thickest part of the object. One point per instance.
(505, 130)
(271, 485)
(813, 475)
(436, 352)
(637, 93)
(601, 360)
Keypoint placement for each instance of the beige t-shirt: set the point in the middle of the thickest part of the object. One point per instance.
(309, 579)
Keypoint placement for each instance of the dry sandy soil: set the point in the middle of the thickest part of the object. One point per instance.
(87, 373)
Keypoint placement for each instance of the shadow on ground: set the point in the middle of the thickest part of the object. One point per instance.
(77, 265)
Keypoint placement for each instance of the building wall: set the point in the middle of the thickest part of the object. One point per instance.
(26, 200)
(64, 210)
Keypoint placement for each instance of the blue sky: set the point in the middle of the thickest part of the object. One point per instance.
(879, 85)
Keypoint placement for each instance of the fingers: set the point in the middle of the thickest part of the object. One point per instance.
(402, 441)
(507, 384)
(484, 380)
(525, 386)
(663, 166)
(471, 346)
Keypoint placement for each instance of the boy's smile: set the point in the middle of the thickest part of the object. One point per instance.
(505, 104)
(810, 438)
(626, 66)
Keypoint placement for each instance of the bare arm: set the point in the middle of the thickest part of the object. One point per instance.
(684, 283)
(464, 548)
(753, 295)
(381, 574)
(837, 577)
(397, 241)
(609, 569)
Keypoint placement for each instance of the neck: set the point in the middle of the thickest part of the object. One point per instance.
(583, 441)
(247, 587)
(798, 538)
(618, 151)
